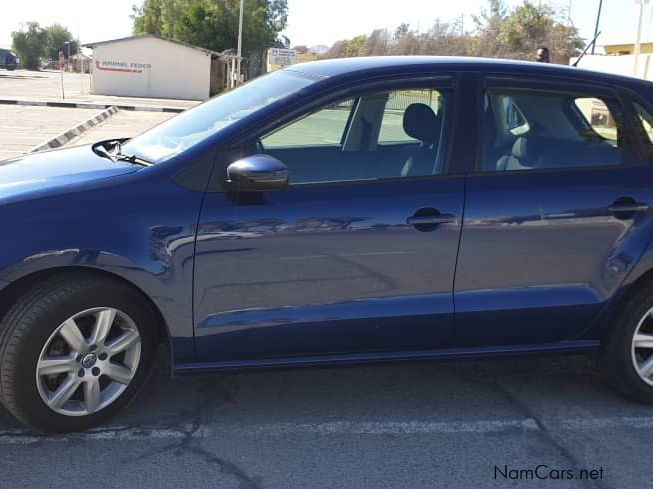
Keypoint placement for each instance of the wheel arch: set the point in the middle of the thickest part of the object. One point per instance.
(631, 287)
(13, 291)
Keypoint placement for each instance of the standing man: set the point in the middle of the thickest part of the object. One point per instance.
(542, 55)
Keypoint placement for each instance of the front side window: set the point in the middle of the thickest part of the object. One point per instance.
(392, 127)
(376, 136)
(532, 129)
(323, 128)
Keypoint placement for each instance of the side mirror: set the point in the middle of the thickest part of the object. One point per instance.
(257, 173)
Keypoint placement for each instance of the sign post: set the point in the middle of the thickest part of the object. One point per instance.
(638, 42)
(62, 64)
(281, 57)
(240, 41)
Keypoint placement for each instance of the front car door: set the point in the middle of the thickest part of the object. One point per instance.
(556, 215)
(358, 254)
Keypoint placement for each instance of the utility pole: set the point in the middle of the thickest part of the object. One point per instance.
(598, 19)
(569, 14)
(240, 41)
(638, 42)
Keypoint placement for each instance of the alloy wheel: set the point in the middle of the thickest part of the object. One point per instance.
(642, 348)
(88, 361)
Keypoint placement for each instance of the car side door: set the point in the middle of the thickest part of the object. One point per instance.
(357, 255)
(556, 214)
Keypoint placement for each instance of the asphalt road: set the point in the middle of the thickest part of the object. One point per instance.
(419, 425)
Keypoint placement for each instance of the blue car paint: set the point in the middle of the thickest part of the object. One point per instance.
(38, 174)
(73, 209)
(312, 270)
(137, 224)
(550, 253)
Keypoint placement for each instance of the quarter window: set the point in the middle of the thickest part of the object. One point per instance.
(531, 129)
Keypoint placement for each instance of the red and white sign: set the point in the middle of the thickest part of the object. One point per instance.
(122, 66)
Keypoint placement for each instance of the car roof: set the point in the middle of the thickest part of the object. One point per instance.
(373, 65)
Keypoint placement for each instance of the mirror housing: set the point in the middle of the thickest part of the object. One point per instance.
(257, 173)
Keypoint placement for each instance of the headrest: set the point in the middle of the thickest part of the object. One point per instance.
(528, 151)
(520, 149)
(422, 123)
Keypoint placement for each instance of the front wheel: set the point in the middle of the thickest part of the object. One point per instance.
(627, 356)
(73, 352)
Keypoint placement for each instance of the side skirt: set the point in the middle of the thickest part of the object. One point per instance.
(578, 346)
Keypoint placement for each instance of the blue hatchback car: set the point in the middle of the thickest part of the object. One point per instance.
(341, 211)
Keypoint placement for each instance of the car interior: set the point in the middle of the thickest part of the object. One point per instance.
(379, 136)
(540, 130)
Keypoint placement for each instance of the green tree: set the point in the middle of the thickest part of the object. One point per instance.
(530, 26)
(355, 46)
(57, 37)
(500, 32)
(517, 33)
(213, 24)
(29, 44)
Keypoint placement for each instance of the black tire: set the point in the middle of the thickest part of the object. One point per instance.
(616, 359)
(30, 322)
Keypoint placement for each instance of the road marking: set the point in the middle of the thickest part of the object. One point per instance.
(25, 437)
(391, 428)
(122, 433)
(593, 424)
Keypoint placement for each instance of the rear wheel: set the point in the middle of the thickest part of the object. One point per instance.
(73, 352)
(627, 356)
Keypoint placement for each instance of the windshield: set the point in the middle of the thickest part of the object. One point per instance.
(179, 133)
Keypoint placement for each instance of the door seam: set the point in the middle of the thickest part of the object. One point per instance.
(460, 237)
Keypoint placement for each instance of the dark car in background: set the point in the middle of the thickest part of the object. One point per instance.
(8, 60)
(356, 210)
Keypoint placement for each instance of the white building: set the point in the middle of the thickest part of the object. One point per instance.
(150, 66)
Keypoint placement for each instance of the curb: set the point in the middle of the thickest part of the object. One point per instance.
(76, 131)
(93, 105)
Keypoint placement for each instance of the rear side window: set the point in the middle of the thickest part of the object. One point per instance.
(536, 129)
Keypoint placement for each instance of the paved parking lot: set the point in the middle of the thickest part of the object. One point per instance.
(124, 123)
(46, 85)
(24, 127)
(422, 425)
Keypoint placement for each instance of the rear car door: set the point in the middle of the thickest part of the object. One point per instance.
(357, 255)
(556, 215)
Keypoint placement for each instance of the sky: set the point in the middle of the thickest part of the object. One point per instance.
(313, 22)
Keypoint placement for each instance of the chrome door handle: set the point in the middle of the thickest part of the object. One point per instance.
(629, 207)
(432, 220)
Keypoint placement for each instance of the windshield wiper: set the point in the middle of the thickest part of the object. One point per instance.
(131, 159)
(100, 150)
(119, 155)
